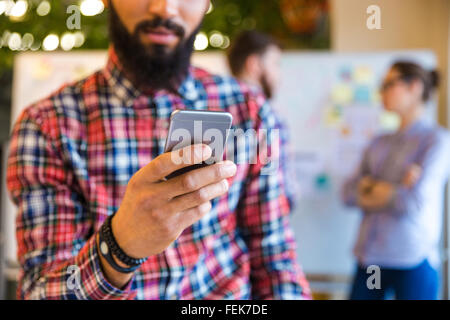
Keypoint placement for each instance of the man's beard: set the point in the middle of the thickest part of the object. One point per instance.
(154, 66)
(266, 87)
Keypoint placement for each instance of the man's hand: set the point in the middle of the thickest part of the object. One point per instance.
(154, 212)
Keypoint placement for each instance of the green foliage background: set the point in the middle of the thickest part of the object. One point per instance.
(229, 17)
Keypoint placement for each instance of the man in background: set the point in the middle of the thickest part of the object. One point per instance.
(255, 59)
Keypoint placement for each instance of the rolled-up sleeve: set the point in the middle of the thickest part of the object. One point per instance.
(54, 228)
(434, 161)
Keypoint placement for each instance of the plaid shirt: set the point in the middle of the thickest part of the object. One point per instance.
(71, 157)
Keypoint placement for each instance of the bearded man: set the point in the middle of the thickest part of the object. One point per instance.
(86, 169)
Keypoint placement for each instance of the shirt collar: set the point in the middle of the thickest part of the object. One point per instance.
(416, 126)
(125, 90)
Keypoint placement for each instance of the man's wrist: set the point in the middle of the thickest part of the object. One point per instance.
(114, 277)
(109, 247)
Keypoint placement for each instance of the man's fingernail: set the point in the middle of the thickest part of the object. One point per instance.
(206, 151)
(226, 185)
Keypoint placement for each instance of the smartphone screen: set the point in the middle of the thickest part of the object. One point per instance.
(189, 127)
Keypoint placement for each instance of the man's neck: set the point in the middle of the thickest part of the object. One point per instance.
(249, 80)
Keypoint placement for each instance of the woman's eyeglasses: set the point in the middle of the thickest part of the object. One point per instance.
(389, 84)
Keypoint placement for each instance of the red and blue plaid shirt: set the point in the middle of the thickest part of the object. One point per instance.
(71, 157)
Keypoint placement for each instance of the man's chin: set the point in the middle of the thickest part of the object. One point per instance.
(157, 47)
(156, 50)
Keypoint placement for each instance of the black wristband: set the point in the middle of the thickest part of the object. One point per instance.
(109, 247)
(106, 253)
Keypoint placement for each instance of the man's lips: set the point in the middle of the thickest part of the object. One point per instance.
(160, 36)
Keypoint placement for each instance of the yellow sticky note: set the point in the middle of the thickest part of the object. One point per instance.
(363, 75)
(342, 94)
(333, 117)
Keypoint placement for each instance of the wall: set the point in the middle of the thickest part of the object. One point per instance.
(406, 24)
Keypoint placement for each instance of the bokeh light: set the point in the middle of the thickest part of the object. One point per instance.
(67, 41)
(27, 41)
(91, 7)
(79, 39)
(44, 8)
(14, 41)
(19, 9)
(201, 42)
(51, 42)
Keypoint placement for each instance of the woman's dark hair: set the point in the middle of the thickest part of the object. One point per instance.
(246, 44)
(410, 71)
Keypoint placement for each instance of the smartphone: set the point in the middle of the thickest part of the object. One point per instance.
(188, 127)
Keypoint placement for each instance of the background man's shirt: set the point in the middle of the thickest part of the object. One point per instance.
(71, 157)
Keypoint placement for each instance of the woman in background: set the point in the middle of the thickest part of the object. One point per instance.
(400, 188)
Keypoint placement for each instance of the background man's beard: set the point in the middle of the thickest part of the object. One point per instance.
(266, 87)
(154, 66)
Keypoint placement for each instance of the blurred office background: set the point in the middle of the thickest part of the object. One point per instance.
(331, 69)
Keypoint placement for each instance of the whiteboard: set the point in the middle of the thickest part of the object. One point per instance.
(328, 101)
(332, 106)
